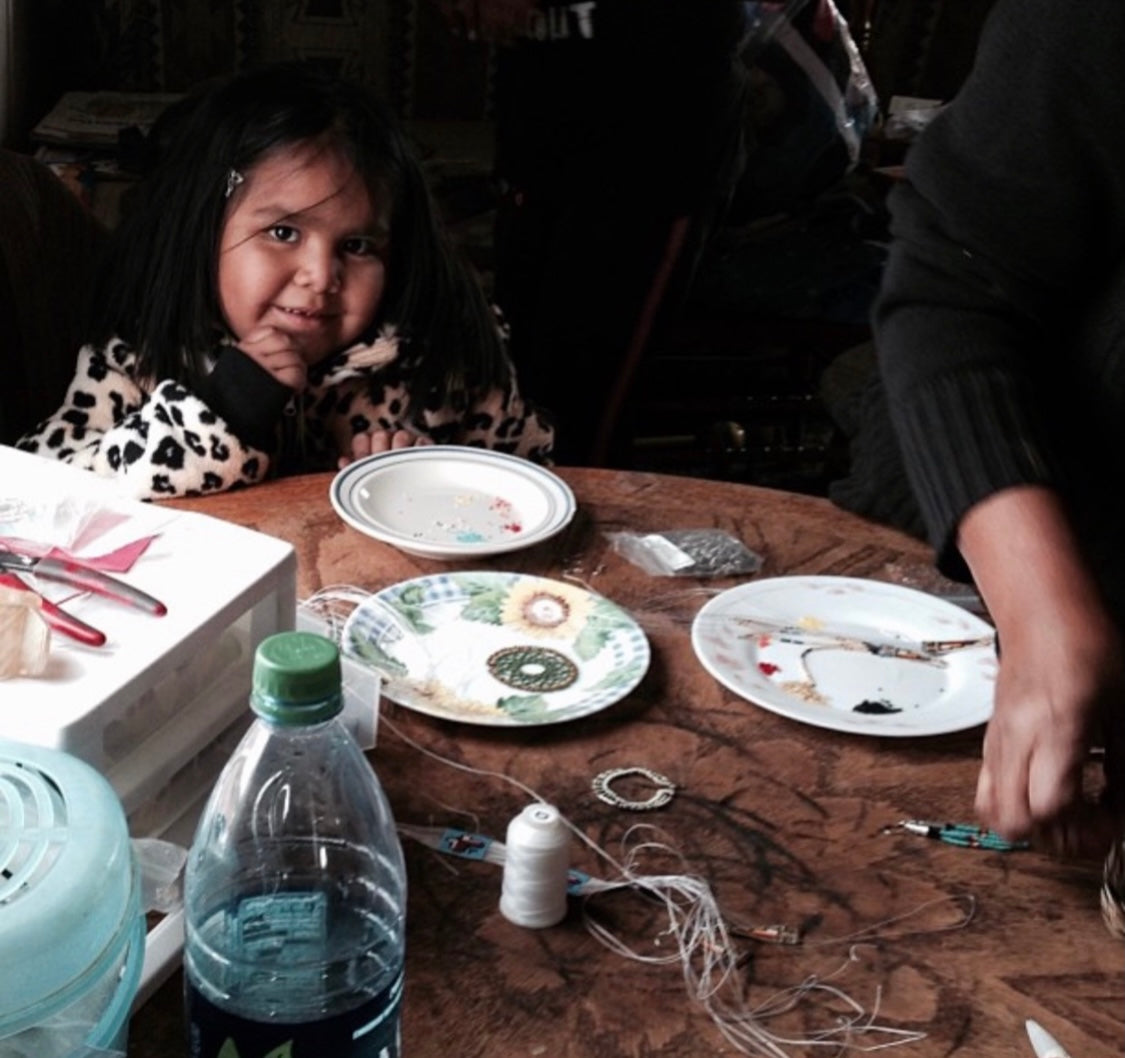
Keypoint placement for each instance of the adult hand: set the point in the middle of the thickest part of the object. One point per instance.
(1060, 682)
(1061, 679)
(279, 353)
(373, 441)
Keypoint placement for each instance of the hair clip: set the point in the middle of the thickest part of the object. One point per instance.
(234, 178)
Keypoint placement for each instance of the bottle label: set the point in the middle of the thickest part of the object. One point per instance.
(367, 1031)
(286, 921)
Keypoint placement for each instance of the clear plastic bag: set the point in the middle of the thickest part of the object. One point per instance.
(687, 553)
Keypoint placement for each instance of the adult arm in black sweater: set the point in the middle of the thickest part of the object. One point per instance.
(1014, 211)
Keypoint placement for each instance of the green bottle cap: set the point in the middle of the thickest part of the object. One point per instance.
(296, 679)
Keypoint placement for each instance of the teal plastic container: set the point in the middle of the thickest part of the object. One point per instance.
(72, 933)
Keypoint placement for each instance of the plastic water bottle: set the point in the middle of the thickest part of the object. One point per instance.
(295, 887)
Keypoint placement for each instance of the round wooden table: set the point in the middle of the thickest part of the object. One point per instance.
(782, 821)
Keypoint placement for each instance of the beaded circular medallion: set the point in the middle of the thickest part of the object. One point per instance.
(532, 668)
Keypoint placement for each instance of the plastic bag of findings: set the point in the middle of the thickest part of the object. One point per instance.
(687, 553)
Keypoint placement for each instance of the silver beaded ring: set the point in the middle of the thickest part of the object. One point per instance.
(665, 789)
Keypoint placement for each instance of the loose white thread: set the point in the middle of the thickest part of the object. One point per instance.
(333, 605)
(701, 944)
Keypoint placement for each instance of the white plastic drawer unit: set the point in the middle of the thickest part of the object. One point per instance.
(160, 707)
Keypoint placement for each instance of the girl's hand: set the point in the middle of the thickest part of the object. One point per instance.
(279, 353)
(374, 441)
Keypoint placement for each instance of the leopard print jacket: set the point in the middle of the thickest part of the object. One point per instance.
(159, 439)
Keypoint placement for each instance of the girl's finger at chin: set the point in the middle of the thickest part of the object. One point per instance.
(257, 335)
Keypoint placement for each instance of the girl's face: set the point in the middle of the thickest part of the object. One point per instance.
(300, 252)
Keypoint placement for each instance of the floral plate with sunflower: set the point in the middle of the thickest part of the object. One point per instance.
(502, 649)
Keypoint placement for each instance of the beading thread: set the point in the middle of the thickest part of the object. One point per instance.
(537, 858)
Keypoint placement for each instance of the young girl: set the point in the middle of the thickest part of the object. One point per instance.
(279, 298)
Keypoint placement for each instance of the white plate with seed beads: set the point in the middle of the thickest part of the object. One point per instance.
(850, 654)
(452, 502)
(500, 649)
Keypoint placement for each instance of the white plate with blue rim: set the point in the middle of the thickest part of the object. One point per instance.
(452, 502)
(850, 654)
(497, 648)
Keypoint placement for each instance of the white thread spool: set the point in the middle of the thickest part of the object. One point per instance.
(537, 858)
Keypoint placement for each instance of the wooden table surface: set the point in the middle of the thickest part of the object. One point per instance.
(781, 819)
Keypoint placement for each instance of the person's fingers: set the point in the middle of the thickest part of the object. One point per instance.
(278, 353)
(1002, 786)
(404, 439)
(1054, 778)
(1005, 813)
(361, 445)
(381, 441)
(258, 335)
(376, 441)
(271, 340)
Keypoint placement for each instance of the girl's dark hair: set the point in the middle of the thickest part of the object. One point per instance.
(158, 288)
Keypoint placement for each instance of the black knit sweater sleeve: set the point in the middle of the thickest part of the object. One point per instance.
(1013, 209)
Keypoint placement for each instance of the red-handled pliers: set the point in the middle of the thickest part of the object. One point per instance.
(83, 578)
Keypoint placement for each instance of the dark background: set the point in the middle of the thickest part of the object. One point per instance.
(911, 47)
